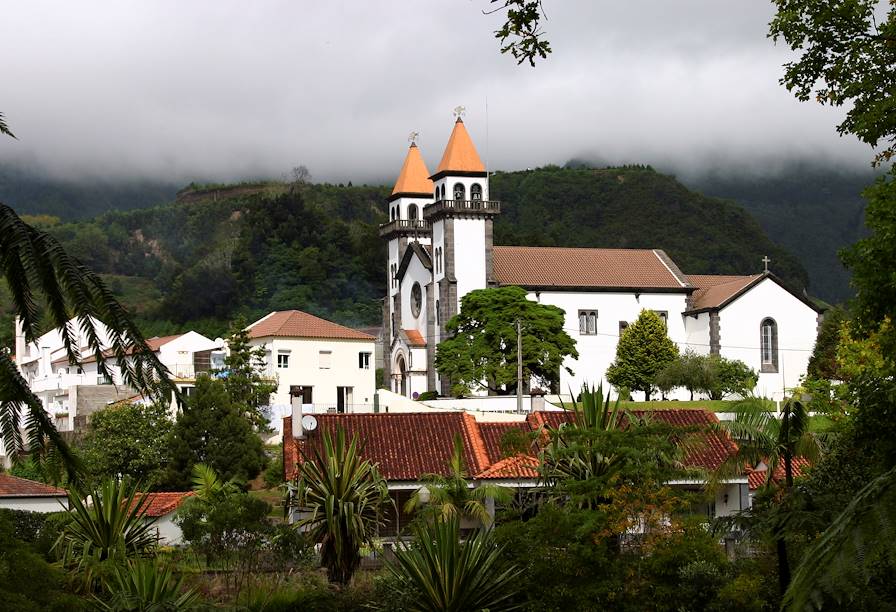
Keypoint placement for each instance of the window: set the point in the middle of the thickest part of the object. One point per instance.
(392, 214)
(443, 191)
(412, 211)
(435, 194)
(623, 325)
(104, 379)
(476, 191)
(325, 358)
(588, 322)
(438, 314)
(188, 391)
(768, 339)
(416, 299)
(459, 191)
(664, 315)
(282, 360)
(363, 361)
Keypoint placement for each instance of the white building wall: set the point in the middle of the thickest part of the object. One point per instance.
(416, 273)
(598, 351)
(469, 258)
(739, 324)
(178, 355)
(35, 504)
(466, 181)
(167, 532)
(697, 333)
(305, 369)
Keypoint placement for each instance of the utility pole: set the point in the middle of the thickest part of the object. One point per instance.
(519, 367)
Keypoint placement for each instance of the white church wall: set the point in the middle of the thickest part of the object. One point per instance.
(469, 267)
(415, 273)
(697, 333)
(598, 351)
(740, 336)
(466, 181)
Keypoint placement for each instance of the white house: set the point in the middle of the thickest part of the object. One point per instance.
(161, 509)
(22, 494)
(72, 392)
(317, 363)
(439, 245)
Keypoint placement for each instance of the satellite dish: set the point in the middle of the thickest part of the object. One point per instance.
(309, 423)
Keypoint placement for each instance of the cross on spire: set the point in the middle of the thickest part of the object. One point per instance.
(412, 137)
(765, 261)
(459, 111)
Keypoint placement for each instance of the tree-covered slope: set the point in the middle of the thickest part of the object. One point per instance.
(635, 207)
(249, 249)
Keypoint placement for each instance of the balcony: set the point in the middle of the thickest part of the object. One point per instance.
(405, 226)
(475, 208)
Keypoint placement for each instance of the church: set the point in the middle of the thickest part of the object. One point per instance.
(440, 247)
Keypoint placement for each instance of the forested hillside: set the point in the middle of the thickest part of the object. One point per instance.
(252, 248)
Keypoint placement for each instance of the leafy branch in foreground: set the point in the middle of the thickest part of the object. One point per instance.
(4, 128)
(38, 271)
(523, 26)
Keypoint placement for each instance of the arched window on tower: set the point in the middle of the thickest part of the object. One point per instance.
(412, 212)
(392, 214)
(443, 191)
(768, 342)
(438, 314)
(459, 191)
(435, 194)
(475, 191)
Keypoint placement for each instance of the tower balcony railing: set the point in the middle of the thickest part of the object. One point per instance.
(405, 226)
(488, 207)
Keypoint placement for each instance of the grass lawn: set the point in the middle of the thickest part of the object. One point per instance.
(711, 405)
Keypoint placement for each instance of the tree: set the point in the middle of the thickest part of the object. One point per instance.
(761, 437)
(128, 439)
(727, 377)
(847, 56)
(481, 348)
(449, 497)
(38, 271)
(523, 28)
(214, 431)
(687, 370)
(823, 362)
(243, 381)
(450, 575)
(643, 351)
(342, 496)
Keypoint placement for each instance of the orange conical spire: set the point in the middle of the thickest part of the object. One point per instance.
(414, 177)
(460, 154)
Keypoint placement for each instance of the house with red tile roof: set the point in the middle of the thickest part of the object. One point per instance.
(319, 365)
(407, 446)
(23, 494)
(440, 247)
(160, 509)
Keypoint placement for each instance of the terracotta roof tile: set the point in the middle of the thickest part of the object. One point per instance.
(576, 267)
(713, 291)
(414, 337)
(757, 478)
(155, 343)
(414, 177)
(404, 445)
(13, 486)
(298, 324)
(492, 434)
(518, 466)
(460, 155)
(160, 504)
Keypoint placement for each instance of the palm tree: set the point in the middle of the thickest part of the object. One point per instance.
(208, 485)
(38, 273)
(448, 575)
(343, 497)
(451, 496)
(761, 437)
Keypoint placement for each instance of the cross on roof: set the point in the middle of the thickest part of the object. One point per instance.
(412, 137)
(765, 260)
(460, 111)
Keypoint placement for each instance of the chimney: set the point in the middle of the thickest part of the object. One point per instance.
(295, 402)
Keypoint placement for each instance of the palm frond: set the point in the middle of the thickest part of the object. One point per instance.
(830, 567)
(37, 269)
(4, 128)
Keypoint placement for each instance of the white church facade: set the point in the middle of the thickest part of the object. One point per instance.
(440, 248)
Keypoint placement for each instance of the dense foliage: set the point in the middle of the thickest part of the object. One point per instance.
(481, 348)
(643, 351)
(714, 375)
(242, 376)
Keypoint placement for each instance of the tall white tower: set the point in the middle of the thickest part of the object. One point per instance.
(462, 235)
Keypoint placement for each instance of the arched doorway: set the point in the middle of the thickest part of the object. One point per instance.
(402, 376)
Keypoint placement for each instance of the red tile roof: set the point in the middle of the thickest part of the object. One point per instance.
(415, 338)
(758, 477)
(13, 486)
(408, 445)
(160, 504)
(564, 267)
(709, 450)
(155, 343)
(298, 324)
(714, 291)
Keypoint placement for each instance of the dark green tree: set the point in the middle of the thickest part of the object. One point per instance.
(128, 439)
(643, 351)
(244, 381)
(823, 362)
(212, 430)
(481, 350)
(686, 370)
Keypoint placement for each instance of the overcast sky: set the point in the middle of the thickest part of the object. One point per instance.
(223, 90)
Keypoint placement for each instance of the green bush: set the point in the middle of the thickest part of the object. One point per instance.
(26, 525)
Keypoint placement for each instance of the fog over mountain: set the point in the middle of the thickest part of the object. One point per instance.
(226, 90)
